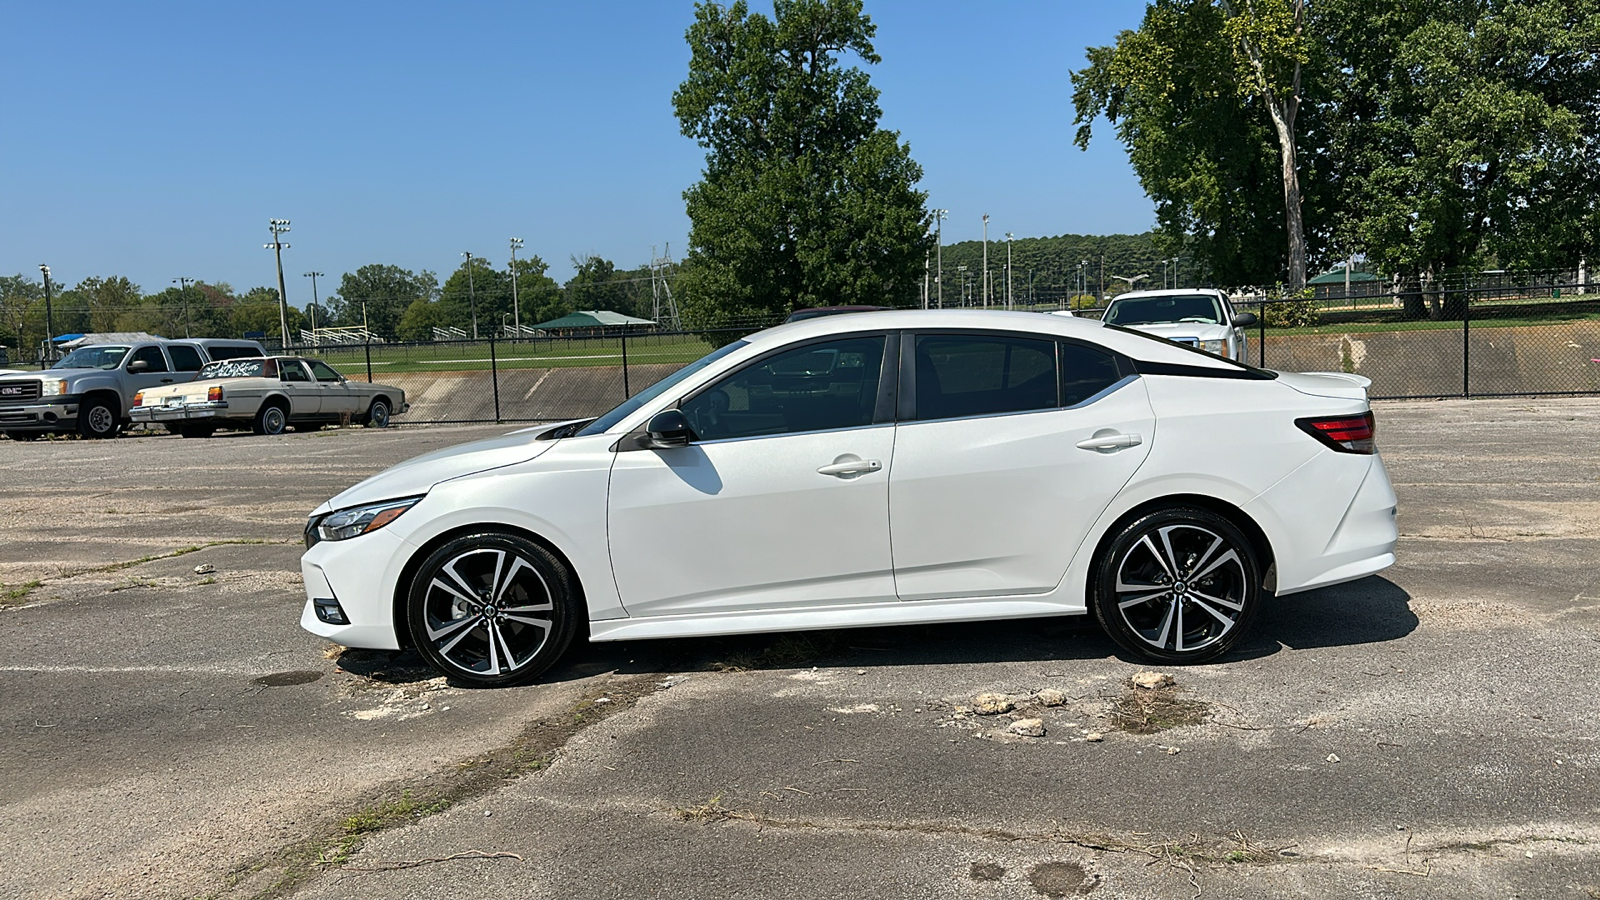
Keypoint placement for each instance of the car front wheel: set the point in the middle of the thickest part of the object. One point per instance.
(98, 419)
(492, 609)
(378, 414)
(1179, 585)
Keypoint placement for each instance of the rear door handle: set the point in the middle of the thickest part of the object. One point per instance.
(851, 467)
(1110, 442)
(166, 381)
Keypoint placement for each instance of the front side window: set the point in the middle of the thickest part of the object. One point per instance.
(978, 375)
(632, 404)
(151, 356)
(322, 370)
(817, 387)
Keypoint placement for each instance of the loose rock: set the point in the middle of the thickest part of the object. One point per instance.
(1333, 757)
(1152, 680)
(991, 704)
(1027, 727)
(204, 569)
(1050, 697)
(1094, 737)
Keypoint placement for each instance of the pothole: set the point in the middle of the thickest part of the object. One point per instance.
(287, 679)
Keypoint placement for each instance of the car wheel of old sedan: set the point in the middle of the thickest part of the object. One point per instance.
(97, 419)
(378, 414)
(1178, 585)
(271, 419)
(492, 609)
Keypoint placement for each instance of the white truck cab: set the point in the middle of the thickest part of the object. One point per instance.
(1199, 317)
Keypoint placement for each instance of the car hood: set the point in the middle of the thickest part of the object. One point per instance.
(419, 475)
(58, 373)
(1196, 330)
(1327, 384)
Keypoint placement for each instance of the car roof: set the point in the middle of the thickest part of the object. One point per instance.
(1168, 292)
(1129, 343)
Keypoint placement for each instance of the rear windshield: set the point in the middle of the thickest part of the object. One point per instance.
(232, 352)
(240, 368)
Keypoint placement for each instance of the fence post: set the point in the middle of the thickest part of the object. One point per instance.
(1261, 335)
(1466, 345)
(368, 347)
(494, 376)
(625, 392)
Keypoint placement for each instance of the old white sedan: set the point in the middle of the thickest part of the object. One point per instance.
(266, 394)
(902, 467)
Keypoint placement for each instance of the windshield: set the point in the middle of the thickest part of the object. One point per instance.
(1200, 308)
(100, 356)
(237, 368)
(628, 406)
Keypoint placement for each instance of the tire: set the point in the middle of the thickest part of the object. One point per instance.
(378, 414)
(1185, 567)
(196, 431)
(492, 609)
(97, 418)
(271, 418)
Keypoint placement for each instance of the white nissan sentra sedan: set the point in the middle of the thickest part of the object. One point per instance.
(884, 469)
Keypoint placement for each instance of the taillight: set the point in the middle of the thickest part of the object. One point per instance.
(138, 399)
(214, 394)
(1346, 434)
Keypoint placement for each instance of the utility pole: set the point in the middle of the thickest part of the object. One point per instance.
(314, 276)
(516, 309)
(49, 319)
(926, 259)
(279, 227)
(985, 260)
(183, 296)
(938, 241)
(1008, 270)
(472, 294)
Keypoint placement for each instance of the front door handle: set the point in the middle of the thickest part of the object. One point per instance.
(166, 381)
(1110, 441)
(851, 467)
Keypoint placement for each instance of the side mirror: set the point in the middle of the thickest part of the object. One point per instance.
(669, 428)
(138, 365)
(1244, 320)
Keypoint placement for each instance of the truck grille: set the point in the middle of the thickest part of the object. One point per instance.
(18, 391)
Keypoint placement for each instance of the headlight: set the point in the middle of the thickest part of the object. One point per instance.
(1217, 347)
(51, 387)
(347, 523)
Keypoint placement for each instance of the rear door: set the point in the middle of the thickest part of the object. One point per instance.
(1009, 447)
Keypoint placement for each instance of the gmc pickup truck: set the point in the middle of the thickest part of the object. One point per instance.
(90, 390)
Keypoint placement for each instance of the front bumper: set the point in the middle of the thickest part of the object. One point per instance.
(60, 414)
(360, 575)
(207, 410)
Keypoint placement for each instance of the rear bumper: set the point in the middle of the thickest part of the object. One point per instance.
(207, 410)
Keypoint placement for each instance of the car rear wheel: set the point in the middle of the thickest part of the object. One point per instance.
(97, 418)
(492, 609)
(1178, 585)
(378, 414)
(272, 418)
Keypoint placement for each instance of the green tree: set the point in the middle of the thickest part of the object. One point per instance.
(18, 295)
(596, 284)
(804, 200)
(377, 295)
(257, 310)
(476, 295)
(1207, 97)
(420, 319)
(1468, 133)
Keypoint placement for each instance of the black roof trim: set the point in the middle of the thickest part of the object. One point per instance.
(1145, 367)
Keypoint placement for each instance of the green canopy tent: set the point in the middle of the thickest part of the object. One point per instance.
(594, 321)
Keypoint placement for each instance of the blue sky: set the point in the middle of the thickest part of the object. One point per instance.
(155, 140)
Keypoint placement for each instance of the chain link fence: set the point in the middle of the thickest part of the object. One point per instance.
(1484, 341)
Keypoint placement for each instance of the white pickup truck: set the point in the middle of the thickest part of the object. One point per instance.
(90, 390)
(1198, 317)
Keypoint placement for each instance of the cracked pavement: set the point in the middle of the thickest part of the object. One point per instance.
(1429, 732)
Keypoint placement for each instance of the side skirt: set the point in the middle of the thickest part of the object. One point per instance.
(916, 612)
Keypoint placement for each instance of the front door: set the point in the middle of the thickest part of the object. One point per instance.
(781, 501)
(305, 397)
(1014, 447)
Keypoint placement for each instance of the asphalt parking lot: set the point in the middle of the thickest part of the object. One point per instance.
(171, 732)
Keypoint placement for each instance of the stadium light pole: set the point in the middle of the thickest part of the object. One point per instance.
(1008, 270)
(314, 276)
(183, 296)
(939, 216)
(49, 319)
(472, 294)
(963, 270)
(279, 227)
(516, 309)
(985, 260)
